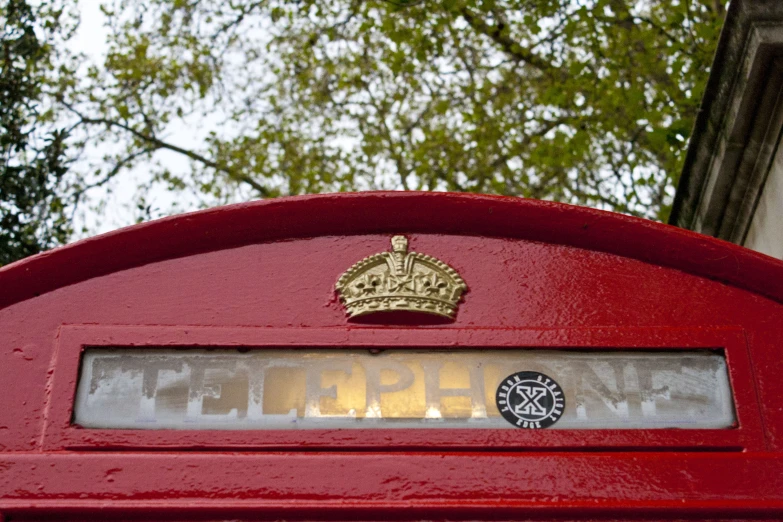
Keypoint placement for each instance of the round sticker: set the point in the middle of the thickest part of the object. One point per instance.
(530, 400)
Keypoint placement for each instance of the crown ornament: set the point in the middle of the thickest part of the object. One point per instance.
(400, 280)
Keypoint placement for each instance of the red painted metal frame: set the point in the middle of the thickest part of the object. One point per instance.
(399, 485)
(234, 226)
(60, 433)
(540, 274)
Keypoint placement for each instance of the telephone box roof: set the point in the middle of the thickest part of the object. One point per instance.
(391, 213)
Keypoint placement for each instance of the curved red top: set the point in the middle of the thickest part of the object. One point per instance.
(391, 212)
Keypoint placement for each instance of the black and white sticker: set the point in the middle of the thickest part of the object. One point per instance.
(530, 400)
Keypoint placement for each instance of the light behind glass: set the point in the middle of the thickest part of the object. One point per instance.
(306, 389)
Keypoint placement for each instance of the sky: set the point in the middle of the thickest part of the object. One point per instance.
(119, 198)
(91, 39)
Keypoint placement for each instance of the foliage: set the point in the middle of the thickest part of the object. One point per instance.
(34, 162)
(582, 101)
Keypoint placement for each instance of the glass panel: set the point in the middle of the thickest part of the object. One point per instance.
(295, 389)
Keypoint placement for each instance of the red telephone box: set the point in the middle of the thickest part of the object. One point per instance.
(392, 355)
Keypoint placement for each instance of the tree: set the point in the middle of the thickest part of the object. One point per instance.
(32, 211)
(583, 101)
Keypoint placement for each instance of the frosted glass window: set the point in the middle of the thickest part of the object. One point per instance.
(324, 389)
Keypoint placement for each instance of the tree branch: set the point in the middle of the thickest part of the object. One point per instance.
(160, 144)
(77, 195)
(509, 46)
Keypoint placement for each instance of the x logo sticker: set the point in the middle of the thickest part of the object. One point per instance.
(531, 400)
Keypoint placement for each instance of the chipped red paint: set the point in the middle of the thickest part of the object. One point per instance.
(263, 274)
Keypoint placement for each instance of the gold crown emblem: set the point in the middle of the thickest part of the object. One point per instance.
(400, 280)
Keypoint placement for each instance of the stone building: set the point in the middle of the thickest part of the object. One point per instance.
(732, 182)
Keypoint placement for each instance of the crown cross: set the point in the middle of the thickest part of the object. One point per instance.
(400, 280)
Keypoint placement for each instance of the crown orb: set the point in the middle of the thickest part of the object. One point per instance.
(400, 281)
